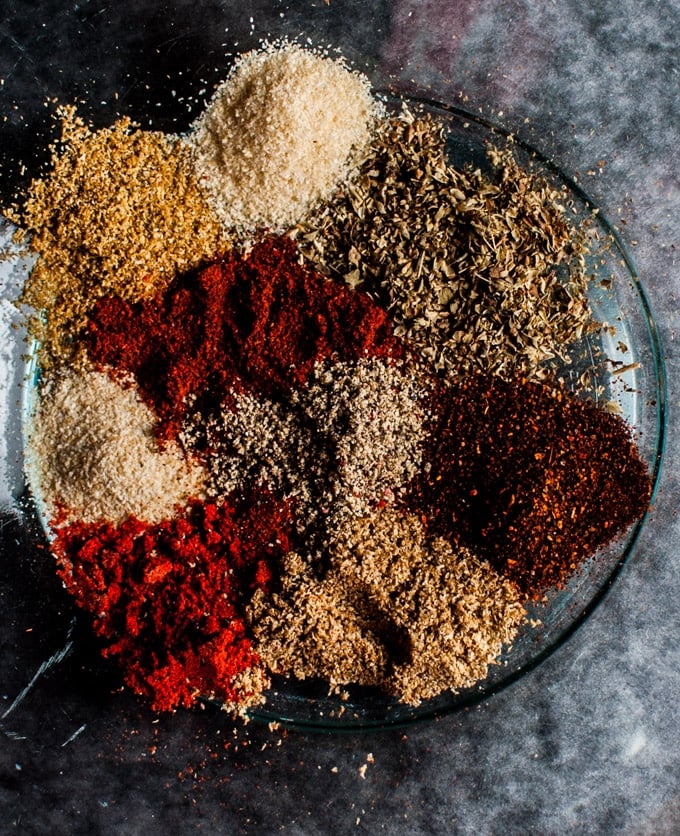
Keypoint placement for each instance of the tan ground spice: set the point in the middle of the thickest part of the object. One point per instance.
(279, 135)
(396, 609)
(119, 213)
(96, 458)
(482, 272)
(349, 440)
(310, 629)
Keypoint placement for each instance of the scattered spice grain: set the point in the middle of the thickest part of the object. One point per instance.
(280, 133)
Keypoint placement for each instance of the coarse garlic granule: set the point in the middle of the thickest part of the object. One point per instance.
(280, 134)
(96, 458)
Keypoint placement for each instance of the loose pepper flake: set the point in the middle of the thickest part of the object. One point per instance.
(531, 477)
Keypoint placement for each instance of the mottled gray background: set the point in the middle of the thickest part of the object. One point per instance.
(588, 743)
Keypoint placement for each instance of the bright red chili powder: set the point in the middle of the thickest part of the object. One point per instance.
(259, 321)
(167, 599)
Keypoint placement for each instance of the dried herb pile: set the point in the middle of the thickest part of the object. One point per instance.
(481, 271)
(334, 451)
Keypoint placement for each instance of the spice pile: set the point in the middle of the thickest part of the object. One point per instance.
(296, 413)
(467, 264)
(120, 214)
(279, 134)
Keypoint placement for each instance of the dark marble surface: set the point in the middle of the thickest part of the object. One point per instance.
(587, 743)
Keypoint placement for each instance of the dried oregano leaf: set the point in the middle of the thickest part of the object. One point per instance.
(481, 272)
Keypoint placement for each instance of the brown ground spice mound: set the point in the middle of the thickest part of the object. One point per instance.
(396, 609)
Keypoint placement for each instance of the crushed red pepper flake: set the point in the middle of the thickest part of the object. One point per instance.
(167, 600)
(532, 477)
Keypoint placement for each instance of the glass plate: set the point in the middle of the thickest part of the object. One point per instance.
(635, 381)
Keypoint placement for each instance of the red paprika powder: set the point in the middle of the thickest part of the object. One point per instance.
(258, 320)
(167, 599)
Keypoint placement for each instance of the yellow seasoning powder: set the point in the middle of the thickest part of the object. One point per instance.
(119, 213)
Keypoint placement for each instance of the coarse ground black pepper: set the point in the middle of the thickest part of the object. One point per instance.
(346, 442)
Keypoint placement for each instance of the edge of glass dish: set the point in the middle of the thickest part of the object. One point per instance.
(346, 720)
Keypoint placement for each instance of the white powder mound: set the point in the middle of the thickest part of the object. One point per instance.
(280, 134)
(97, 459)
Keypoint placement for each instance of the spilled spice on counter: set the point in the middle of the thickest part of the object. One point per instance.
(119, 213)
(255, 320)
(481, 272)
(396, 609)
(530, 477)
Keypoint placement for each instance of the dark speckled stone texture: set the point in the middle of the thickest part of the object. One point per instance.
(587, 743)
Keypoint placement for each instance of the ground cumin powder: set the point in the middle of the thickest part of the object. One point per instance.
(395, 609)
